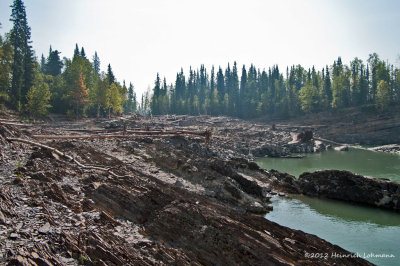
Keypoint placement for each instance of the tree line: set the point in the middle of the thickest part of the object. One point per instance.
(75, 87)
(275, 93)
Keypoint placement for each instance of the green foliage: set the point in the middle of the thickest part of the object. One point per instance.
(77, 89)
(53, 64)
(6, 60)
(23, 61)
(38, 98)
(269, 93)
(309, 98)
(114, 99)
(382, 95)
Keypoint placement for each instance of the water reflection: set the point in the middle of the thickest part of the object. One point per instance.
(364, 162)
(350, 212)
(355, 228)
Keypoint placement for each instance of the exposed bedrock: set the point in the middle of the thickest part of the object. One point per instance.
(343, 185)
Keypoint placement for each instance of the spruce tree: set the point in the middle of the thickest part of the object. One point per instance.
(23, 66)
(327, 86)
(42, 67)
(54, 64)
(110, 75)
(76, 51)
(243, 92)
(234, 95)
(83, 54)
(155, 100)
(96, 64)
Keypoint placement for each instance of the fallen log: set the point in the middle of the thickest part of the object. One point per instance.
(64, 155)
(103, 136)
(14, 124)
(330, 141)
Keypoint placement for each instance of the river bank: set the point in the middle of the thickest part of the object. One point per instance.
(148, 200)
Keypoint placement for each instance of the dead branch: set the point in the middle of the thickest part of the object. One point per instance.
(14, 124)
(170, 134)
(62, 154)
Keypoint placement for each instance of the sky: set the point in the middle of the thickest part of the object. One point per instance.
(140, 38)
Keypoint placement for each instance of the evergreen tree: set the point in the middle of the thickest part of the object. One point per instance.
(76, 51)
(54, 64)
(23, 63)
(234, 85)
(327, 86)
(131, 102)
(110, 75)
(96, 64)
(243, 92)
(83, 54)
(220, 89)
(42, 67)
(155, 104)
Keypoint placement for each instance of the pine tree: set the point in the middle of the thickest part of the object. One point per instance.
(22, 71)
(76, 51)
(220, 88)
(131, 102)
(54, 64)
(327, 85)
(234, 95)
(155, 100)
(96, 64)
(110, 75)
(83, 54)
(42, 67)
(243, 92)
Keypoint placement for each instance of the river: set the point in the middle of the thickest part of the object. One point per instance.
(363, 230)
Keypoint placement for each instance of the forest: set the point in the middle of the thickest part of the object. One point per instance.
(75, 87)
(78, 88)
(275, 93)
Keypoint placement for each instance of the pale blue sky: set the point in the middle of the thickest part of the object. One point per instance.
(140, 38)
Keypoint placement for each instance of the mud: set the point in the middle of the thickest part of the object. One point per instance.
(174, 200)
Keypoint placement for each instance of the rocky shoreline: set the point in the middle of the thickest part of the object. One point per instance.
(173, 200)
(346, 186)
(391, 148)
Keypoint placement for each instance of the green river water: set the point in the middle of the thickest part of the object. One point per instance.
(366, 231)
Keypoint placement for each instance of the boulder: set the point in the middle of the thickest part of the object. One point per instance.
(346, 186)
(342, 148)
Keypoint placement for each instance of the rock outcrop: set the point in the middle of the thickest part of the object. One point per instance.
(391, 148)
(346, 186)
(174, 201)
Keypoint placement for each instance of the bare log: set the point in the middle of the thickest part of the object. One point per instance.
(14, 124)
(330, 141)
(167, 134)
(63, 154)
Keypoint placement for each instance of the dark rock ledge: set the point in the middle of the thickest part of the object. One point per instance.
(346, 186)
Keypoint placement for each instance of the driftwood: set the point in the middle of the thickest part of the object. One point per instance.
(330, 141)
(150, 134)
(63, 154)
(14, 124)
(102, 136)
